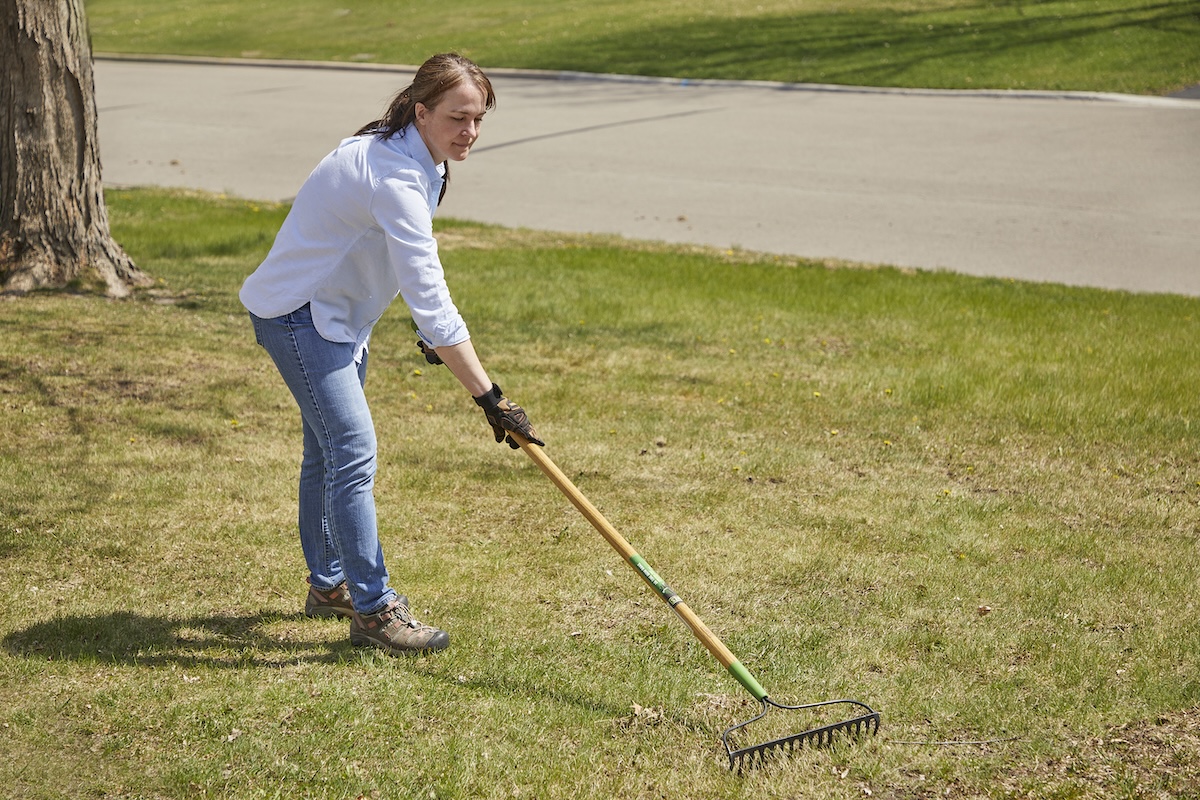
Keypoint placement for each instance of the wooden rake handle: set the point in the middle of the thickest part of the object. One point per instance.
(639, 565)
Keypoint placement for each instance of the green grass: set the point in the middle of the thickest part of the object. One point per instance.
(1146, 47)
(836, 467)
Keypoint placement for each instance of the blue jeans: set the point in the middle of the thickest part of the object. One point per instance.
(337, 473)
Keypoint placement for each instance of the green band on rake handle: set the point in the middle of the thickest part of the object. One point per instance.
(672, 599)
(747, 680)
(738, 756)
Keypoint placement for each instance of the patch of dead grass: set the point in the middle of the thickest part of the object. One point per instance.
(1157, 758)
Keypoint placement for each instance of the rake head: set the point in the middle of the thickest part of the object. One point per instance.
(866, 720)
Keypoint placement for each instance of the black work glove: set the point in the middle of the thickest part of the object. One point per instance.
(504, 415)
(430, 354)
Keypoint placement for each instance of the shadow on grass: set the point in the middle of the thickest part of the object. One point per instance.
(242, 641)
(884, 47)
(219, 640)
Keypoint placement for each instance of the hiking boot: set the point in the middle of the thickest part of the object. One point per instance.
(394, 631)
(335, 602)
(327, 603)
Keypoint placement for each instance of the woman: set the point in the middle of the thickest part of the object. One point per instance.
(359, 233)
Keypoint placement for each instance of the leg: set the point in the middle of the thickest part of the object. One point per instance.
(324, 566)
(337, 506)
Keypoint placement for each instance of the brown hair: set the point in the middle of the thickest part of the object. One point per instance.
(438, 75)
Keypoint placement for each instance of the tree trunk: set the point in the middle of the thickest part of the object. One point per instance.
(54, 230)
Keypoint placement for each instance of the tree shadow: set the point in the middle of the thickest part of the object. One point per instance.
(218, 640)
(862, 47)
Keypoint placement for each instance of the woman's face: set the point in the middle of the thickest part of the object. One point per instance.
(452, 126)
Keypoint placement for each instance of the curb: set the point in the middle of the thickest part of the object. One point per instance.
(567, 75)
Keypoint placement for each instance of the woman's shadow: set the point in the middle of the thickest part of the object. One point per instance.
(232, 640)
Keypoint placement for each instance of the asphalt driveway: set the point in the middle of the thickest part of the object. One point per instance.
(1091, 190)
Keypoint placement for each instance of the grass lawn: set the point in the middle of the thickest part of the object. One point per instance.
(971, 503)
(1146, 47)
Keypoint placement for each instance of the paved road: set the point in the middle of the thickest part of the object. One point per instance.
(1094, 190)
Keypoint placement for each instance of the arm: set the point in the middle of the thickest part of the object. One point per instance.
(397, 207)
(464, 364)
(502, 414)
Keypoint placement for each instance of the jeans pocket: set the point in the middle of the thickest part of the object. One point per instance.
(301, 316)
(255, 321)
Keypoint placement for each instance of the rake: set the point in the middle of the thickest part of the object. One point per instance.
(863, 719)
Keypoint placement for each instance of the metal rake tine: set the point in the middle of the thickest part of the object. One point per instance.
(819, 737)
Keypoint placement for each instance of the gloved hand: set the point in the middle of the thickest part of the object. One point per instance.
(504, 415)
(430, 354)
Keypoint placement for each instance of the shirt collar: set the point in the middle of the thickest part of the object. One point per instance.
(409, 142)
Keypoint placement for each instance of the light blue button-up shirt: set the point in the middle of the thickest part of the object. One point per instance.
(359, 233)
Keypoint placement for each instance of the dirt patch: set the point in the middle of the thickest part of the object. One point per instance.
(1157, 758)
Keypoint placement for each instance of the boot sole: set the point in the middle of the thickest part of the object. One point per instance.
(439, 641)
(325, 612)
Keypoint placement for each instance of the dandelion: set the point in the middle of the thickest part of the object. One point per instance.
(816, 394)
(417, 372)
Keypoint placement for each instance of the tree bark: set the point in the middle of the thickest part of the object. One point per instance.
(54, 230)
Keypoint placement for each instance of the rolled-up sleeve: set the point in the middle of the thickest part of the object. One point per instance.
(402, 208)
